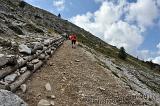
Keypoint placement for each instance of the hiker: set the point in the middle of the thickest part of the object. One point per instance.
(73, 38)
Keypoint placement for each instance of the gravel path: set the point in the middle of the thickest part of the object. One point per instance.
(77, 79)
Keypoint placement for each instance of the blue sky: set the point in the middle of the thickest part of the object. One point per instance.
(134, 24)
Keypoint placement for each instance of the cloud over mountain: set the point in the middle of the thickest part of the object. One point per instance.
(120, 23)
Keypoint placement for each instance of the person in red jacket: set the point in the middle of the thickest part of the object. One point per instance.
(73, 39)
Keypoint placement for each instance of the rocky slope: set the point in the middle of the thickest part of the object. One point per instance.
(23, 26)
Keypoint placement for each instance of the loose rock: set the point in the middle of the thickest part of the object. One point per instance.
(102, 89)
(48, 87)
(35, 61)
(51, 97)
(43, 102)
(23, 88)
(77, 60)
(52, 103)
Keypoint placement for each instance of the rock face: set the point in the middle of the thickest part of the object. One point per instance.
(9, 99)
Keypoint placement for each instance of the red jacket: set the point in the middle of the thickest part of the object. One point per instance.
(73, 37)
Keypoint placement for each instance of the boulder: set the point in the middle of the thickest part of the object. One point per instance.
(43, 102)
(10, 78)
(24, 49)
(7, 98)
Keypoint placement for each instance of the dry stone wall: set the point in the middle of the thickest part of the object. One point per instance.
(16, 69)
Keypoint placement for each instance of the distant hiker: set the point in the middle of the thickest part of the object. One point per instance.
(73, 38)
(59, 15)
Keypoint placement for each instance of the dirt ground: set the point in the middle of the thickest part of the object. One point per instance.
(77, 79)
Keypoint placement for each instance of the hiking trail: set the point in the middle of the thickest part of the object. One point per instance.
(77, 79)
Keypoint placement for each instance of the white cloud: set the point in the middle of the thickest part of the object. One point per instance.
(122, 34)
(148, 55)
(106, 24)
(143, 12)
(109, 12)
(156, 60)
(59, 4)
(158, 45)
